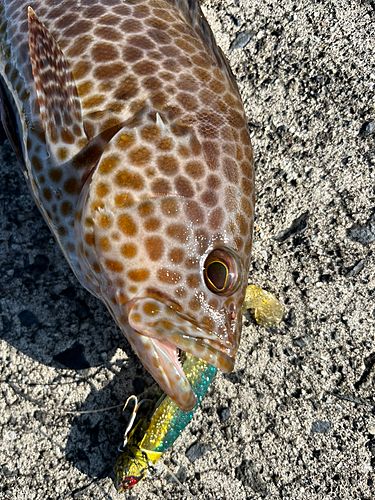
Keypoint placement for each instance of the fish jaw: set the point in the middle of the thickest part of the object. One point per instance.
(161, 360)
(159, 330)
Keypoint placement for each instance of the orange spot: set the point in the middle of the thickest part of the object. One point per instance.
(132, 54)
(176, 255)
(105, 221)
(104, 244)
(152, 83)
(194, 212)
(81, 69)
(194, 169)
(152, 224)
(150, 132)
(96, 267)
(191, 263)
(169, 207)
(145, 209)
(216, 218)
(127, 225)
(85, 88)
(108, 164)
(246, 207)
(124, 200)
(242, 224)
(188, 101)
(62, 153)
(140, 156)
(139, 274)
(168, 165)
(209, 198)
(93, 102)
(145, 67)
(120, 282)
(194, 304)
(96, 205)
(125, 140)
(114, 265)
(122, 298)
(129, 250)
(183, 151)
(160, 186)
(150, 308)
(156, 363)
(127, 89)
(90, 239)
(186, 47)
(247, 186)
(124, 178)
(193, 281)
(178, 232)
(184, 187)
(216, 86)
(168, 276)
(180, 292)
(102, 190)
(154, 247)
(238, 242)
(165, 144)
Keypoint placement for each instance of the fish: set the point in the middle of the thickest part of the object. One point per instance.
(131, 133)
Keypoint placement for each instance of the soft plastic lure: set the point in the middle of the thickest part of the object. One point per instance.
(157, 431)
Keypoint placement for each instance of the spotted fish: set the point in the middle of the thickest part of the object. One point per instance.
(132, 136)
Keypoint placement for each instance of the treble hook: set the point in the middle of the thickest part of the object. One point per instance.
(132, 418)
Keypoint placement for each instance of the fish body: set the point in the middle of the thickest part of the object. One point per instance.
(132, 136)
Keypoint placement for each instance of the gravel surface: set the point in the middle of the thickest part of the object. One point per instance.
(296, 418)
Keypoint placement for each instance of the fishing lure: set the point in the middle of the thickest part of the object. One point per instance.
(157, 430)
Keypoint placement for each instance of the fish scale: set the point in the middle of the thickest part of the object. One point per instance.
(134, 142)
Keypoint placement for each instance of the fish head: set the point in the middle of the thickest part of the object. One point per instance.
(170, 263)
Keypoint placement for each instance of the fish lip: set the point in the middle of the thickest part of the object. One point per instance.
(222, 353)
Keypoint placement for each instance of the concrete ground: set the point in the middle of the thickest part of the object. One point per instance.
(296, 418)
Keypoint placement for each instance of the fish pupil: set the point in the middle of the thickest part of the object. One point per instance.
(217, 274)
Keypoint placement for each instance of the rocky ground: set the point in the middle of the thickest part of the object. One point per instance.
(296, 418)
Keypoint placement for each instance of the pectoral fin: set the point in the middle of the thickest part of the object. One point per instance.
(60, 107)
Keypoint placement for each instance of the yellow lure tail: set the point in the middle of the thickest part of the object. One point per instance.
(267, 309)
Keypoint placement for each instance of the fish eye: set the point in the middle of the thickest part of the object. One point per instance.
(222, 271)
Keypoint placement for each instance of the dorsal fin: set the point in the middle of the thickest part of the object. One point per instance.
(192, 12)
(60, 107)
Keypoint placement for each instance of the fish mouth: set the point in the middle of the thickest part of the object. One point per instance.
(164, 332)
